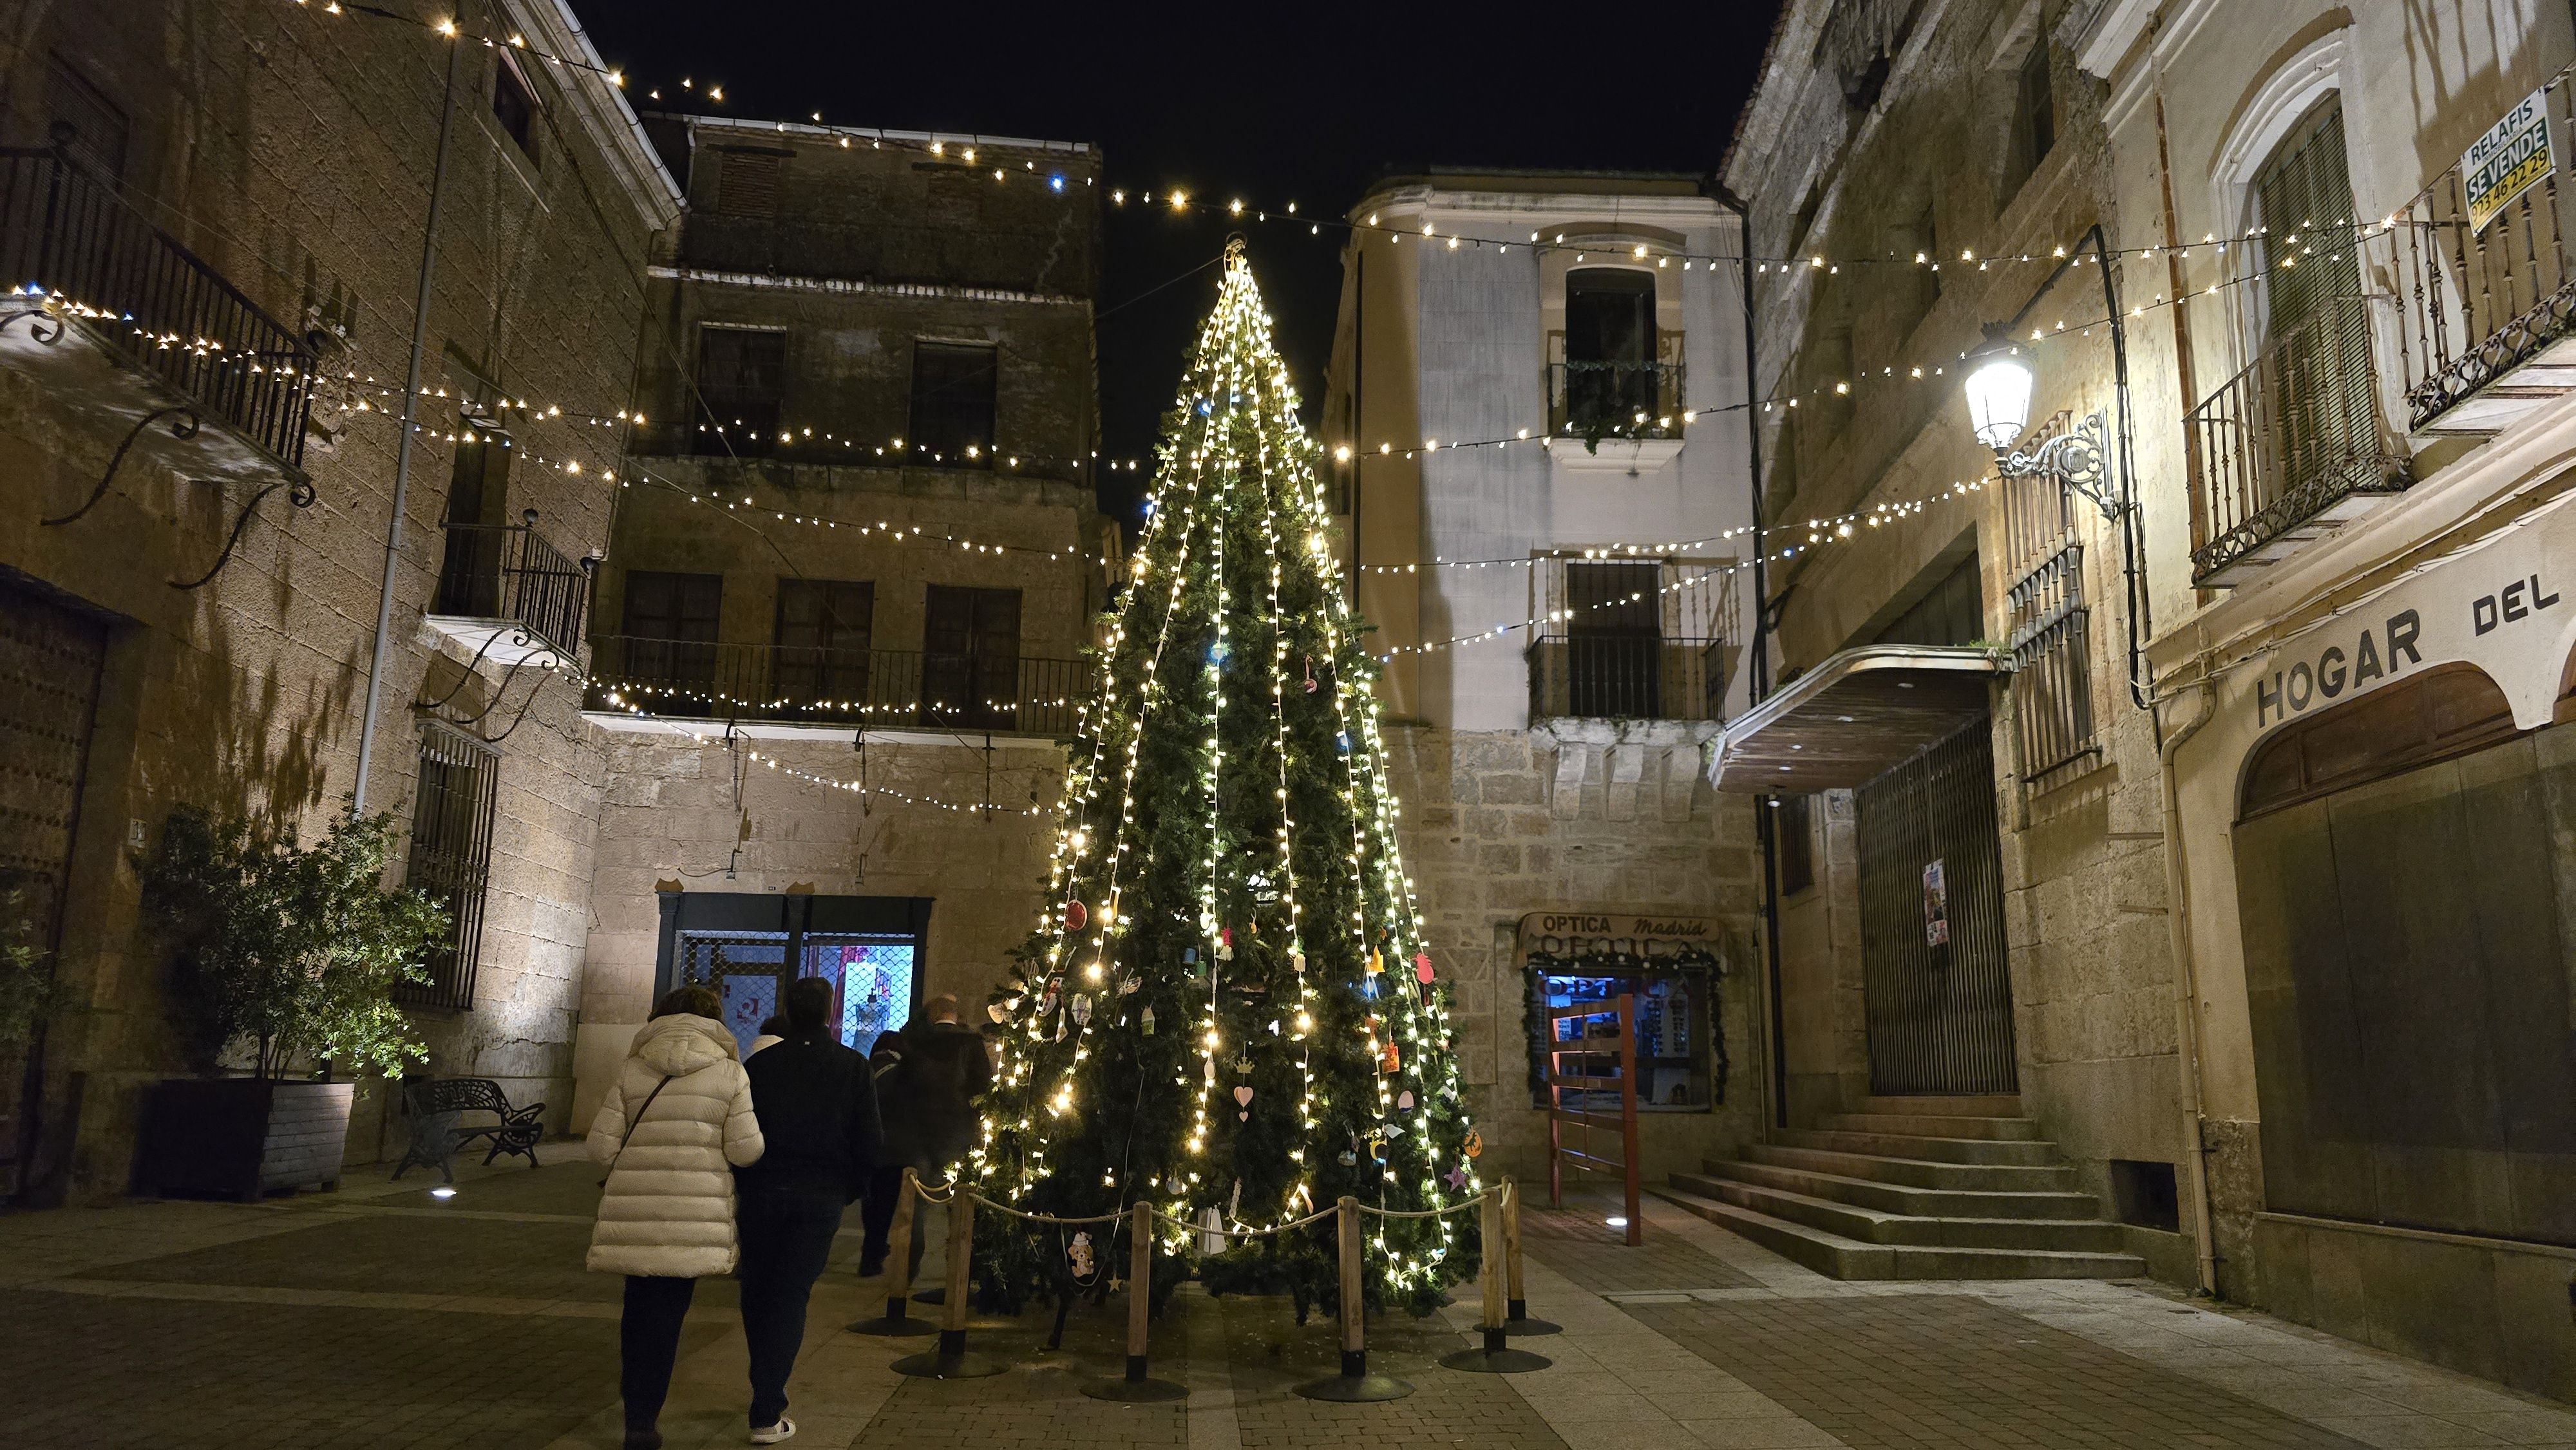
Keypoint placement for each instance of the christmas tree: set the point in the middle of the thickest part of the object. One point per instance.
(1227, 1004)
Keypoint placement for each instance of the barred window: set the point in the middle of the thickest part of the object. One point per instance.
(451, 856)
(2052, 682)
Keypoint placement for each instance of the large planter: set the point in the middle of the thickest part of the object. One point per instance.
(241, 1137)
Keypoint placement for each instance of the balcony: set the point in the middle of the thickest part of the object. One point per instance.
(155, 305)
(2290, 449)
(830, 688)
(1627, 677)
(506, 593)
(1615, 399)
(2485, 314)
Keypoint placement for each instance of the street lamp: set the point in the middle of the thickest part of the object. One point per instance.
(1999, 395)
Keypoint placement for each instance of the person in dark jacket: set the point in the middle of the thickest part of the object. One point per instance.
(821, 1113)
(929, 1074)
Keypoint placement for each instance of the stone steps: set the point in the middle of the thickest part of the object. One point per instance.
(1933, 1125)
(1870, 1225)
(1904, 1198)
(1840, 1257)
(1915, 1172)
(1914, 1188)
(2028, 1153)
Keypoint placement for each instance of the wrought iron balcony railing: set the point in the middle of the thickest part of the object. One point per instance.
(1631, 399)
(2474, 303)
(1627, 677)
(67, 236)
(2294, 435)
(510, 572)
(841, 687)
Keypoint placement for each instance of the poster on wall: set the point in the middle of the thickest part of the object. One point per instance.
(1936, 906)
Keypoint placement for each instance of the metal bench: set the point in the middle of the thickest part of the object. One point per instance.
(437, 1107)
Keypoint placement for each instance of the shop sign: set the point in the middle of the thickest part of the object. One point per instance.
(2512, 157)
(2505, 607)
(1574, 933)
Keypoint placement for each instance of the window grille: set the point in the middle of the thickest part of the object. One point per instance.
(451, 856)
(2052, 684)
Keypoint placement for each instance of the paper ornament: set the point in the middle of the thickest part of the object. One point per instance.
(1243, 1096)
(1389, 1060)
(1082, 1008)
(1375, 963)
(1274, 1026)
(1473, 1144)
(1404, 1100)
(1422, 967)
(1189, 956)
(1296, 961)
(1377, 1149)
(1128, 984)
(1080, 1254)
(1075, 914)
(999, 1012)
(1146, 1023)
(1457, 1179)
(1349, 1158)
(1062, 1025)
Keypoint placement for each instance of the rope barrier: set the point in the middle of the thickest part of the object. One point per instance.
(1245, 1233)
(1046, 1217)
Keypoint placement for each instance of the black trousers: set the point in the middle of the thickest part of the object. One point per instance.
(786, 1236)
(648, 1341)
(884, 1186)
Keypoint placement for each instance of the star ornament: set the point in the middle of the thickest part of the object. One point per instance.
(1457, 1180)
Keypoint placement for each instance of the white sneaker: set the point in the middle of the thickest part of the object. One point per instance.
(775, 1433)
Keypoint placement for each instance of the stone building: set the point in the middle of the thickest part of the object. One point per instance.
(1556, 823)
(2165, 766)
(201, 445)
(857, 560)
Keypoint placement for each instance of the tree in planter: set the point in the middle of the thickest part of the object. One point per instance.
(293, 951)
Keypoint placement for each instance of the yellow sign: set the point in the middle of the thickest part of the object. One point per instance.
(2504, 163)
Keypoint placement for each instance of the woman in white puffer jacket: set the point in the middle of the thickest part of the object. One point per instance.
(676, 1124)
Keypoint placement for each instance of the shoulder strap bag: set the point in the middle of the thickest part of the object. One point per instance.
(632, 1124)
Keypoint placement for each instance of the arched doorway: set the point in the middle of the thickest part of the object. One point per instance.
(2408, 907)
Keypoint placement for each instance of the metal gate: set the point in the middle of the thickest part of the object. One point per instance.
(50, 659)
(1936, 993)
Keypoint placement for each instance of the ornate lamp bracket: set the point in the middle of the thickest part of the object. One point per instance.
(2078, 459)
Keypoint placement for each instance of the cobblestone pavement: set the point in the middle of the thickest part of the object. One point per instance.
(381, 1316)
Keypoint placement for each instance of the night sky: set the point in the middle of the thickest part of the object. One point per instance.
(1310, 107)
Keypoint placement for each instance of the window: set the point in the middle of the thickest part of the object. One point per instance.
(2034, 119)
(970, 657)
(747, 184)
(1951, 612)
(822, 642)
(1793, 826)
(1681, 1056)
(749, 947)
(98, 127)
(514, 104)
(952, 404)
(669, 636)
(741, 372)
(1608, 374)
(1614, 640)
(469, 574)
(451, 856)
(1918, 287)
(2052, 677)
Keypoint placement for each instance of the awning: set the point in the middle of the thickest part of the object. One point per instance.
(1852, 717)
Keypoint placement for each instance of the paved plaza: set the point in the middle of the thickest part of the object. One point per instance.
(380, 1316)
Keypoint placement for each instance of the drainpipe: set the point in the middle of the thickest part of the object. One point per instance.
(2187, 984)
(402, 446)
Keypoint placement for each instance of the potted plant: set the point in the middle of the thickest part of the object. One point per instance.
(284, 963)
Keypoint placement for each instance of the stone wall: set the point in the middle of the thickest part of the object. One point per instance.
(1500, 824)
(301, 175)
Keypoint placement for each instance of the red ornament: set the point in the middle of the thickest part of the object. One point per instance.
(1075, 914)
(1422, 968)
(1389, 1061)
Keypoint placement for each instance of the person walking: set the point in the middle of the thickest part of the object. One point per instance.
(817, 1103)
(928, 1076)
(678, 1119)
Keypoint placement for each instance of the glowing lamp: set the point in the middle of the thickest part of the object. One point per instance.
(1999, 398)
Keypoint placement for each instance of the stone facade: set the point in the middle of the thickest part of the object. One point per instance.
(292, 151)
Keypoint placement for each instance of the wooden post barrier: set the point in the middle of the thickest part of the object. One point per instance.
(1354, 1384)
(897, 1322)
(1138, 1388)
(950, 1361)
(1516, 1318)
(1494, 1356)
